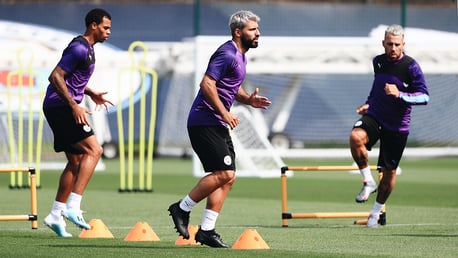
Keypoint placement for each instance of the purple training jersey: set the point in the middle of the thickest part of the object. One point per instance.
(394, 114)
(228, 67)
(78, 61)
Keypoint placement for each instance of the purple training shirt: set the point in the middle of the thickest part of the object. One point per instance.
(394, 114)
(228, 67)
(78, 60)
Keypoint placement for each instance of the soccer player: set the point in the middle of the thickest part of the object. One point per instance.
(208, 124)
(69, 123)
(398, 84)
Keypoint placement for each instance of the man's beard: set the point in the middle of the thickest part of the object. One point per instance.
(249, 43)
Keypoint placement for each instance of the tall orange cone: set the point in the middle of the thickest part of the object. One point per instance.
(98, 230)
(141, 232)
(192, 234)
(250, 239)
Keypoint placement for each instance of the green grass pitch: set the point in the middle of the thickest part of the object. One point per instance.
(422, 214)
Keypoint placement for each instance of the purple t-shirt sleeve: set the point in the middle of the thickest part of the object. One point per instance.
(72, 56)
(78, 60)
(217, 67)
(227, 66)
(420, 94)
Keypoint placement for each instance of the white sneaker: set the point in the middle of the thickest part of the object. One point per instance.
(368, 189)
(372, 221)
(57, 226)
(76, 217)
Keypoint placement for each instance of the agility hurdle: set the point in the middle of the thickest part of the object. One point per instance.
(33, 217)
(324, 215)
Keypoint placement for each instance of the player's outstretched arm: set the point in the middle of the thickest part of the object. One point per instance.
(98, 98)
(253, 100)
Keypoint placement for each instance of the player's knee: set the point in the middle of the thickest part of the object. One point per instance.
(95, 151)
(99, 151)
(389, 172)
(357, 138)
(227, 177)
(232, 179)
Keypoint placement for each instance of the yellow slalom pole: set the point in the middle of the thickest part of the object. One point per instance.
(152, 126)
(130, 139)
(28, 55)
(20, 145)
(122, 153)
(30, 116)
(138, 67)
(144, 170)
(39, 143)
(12, 141)
(141, 151)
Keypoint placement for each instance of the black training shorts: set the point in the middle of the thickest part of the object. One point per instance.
(392, 144)
(66, 131)
(213, 145)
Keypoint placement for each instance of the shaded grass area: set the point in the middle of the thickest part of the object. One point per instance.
(421, 214)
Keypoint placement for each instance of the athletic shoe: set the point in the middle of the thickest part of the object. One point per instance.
(382, 219)
(57, 226)
(368, 189)
(210, 238)
(76, 217)
(372, 221)
(180, 219)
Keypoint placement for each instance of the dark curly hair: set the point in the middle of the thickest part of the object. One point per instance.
(96, 15)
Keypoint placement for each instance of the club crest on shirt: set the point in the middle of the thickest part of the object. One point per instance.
(358, 123)
(87, 128)
(227, 160)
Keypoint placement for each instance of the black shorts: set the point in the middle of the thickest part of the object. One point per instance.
(66, 131)
(392, 144)
(213, 145)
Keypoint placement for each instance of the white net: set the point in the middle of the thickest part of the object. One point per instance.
(173, 136)
(255, 156)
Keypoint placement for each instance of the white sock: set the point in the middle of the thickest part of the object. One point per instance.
(187, 203)
(57, 208)
(377, 208)
(74, 201)
(209, 220)
(367, 175)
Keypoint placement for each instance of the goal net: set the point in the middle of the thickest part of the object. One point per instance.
(255, 155)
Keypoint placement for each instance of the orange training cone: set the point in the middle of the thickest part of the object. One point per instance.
(250, 239)
(98, 230)
(141, 232)
(191, 241)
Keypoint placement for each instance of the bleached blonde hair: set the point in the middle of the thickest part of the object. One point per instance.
(238, 19)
